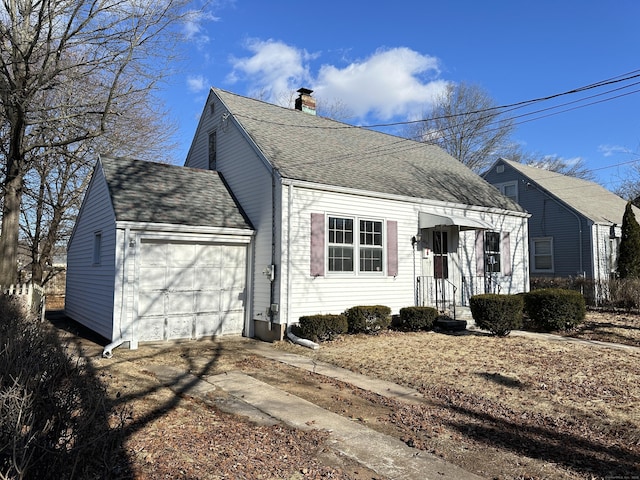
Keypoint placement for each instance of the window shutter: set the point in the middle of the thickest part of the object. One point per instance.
(392, 248)
(317, 245)
(506, 253)
(479, 252)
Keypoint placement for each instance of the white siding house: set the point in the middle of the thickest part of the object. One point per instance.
(346, 216)
(158, 252)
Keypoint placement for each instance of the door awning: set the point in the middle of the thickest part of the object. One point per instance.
(430, 220)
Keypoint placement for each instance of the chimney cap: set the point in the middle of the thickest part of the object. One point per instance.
(305, 91)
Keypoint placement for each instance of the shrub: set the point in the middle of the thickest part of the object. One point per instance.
(497, 313)
(368, 319)
(322, 327)
(554, 308)
(413, 319)
(54, 413)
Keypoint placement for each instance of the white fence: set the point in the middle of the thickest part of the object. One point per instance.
(31, 296)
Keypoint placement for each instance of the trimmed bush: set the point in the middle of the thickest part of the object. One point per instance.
(552, 309)
(497, 313)
(322, 327)
(413, 319)
(368, 319)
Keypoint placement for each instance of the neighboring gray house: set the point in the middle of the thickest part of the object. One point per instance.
(158, 252)
(575, 225)
(300, 215)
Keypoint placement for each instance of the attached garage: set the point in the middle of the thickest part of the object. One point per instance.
(190, 290)
(158, 253)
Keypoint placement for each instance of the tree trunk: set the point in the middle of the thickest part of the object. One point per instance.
(10, 228)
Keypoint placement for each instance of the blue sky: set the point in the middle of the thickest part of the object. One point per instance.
(386, 60)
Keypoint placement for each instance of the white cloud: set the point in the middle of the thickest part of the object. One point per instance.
(274, 68)
(197, 83)
(193, 28)
(396, 82)
(389, 83)
(611, 150)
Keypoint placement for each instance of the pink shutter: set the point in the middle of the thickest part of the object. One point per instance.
(392, 248)
(505, 253)
(317, 245)
(479, 252)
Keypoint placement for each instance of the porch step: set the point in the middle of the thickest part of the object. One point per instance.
(449, 324)
(464, 313)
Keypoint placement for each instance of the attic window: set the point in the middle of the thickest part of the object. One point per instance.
(500, 169)
(212, 108)
(97, 248)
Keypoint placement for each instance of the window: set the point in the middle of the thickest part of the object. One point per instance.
(212, 150)
(510, 190)
(370, 246)
(354, 242)
(492, 252)
(542, 253)
(97, 247)
(340, 244)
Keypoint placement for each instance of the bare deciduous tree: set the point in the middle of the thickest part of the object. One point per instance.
(465, 123)
(108, 53)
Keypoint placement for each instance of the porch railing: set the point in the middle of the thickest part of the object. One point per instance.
(445, 295)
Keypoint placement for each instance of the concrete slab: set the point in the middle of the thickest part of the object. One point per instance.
(381, 453)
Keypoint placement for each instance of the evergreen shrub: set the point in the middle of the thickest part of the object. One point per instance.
(323, 327)
(368, 319)
(413, 319)
(497, 313)
(551, 309)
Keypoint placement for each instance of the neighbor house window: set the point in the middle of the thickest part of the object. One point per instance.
(354, 242)
(212, 150)
(97, 247)
(510, 190)
(492, 252)
(542, 254)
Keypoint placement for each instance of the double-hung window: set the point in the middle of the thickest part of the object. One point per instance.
(509, 189)
(355, 243)
(542, 253)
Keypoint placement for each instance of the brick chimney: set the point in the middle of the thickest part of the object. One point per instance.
(305, 102)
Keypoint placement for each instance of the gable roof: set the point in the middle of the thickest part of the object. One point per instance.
(152, 192)
(591, 200)
(319, 150)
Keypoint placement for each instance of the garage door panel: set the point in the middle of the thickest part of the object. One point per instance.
(233, 255)
(182, 255)
(151, 329)
(208, 325)
(152, 278)
(180, 303)
(209, 255)
(231, 322)
(151, 303)
(207, 278)
(179, 327)
(232, 299)
(153, 253)
(207, 302)
(232, 277)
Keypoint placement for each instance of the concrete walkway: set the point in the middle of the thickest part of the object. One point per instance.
(262, 403)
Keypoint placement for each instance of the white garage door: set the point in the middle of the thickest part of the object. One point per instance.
(190, 290)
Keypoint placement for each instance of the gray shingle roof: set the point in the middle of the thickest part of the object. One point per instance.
(588, 198)
(159, 193)
(316, 149)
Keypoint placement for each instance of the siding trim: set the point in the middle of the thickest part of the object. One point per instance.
(392, 248)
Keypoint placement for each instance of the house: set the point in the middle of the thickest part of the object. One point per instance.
(310, 216)
(154, 243)
(575, 225)
(349, 216)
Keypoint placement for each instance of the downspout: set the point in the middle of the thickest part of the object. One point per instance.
(108, 350)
